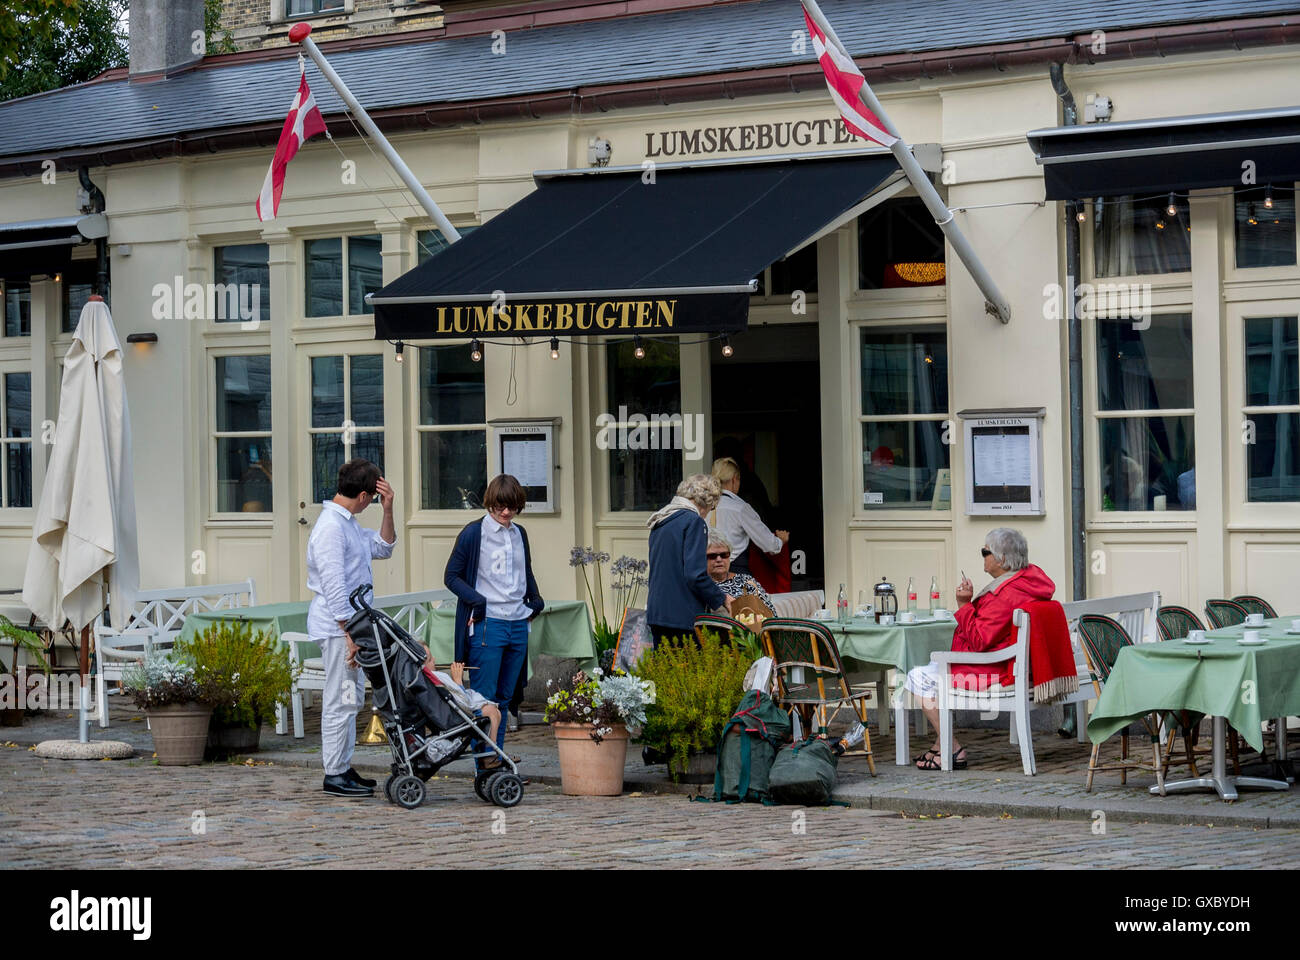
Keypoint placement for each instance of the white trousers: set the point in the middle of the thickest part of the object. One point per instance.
(345, 691)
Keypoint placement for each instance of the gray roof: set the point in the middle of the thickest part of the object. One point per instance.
(700, 41)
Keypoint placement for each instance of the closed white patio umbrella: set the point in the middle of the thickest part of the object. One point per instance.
(84, 536)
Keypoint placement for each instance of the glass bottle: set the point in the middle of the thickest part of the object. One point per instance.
(935, 602)
(842, 606)
(911, 594)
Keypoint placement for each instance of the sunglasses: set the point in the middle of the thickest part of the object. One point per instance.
(985, 552)
(717, 556)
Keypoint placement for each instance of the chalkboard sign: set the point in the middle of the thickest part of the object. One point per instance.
(634, 639)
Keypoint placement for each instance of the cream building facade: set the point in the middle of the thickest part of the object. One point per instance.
(170, 218)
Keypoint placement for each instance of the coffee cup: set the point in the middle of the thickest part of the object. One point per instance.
(907, 616)
(1253, 636)
(886, 619)
(1255, 619)
(1295, 625)
(821, 614)
(939, 613)
(1196, 636)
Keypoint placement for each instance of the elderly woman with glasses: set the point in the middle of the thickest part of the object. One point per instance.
(983, 624)
(718, 554)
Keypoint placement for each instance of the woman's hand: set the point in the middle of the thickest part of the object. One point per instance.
(965, 590)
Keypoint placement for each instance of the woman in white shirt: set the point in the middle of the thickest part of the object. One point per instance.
(738, 522)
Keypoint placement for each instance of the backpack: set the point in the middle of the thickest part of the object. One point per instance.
(804, 773)
(747, 748)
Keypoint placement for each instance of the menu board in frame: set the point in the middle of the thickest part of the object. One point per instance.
(1004, 461)
(525, 449)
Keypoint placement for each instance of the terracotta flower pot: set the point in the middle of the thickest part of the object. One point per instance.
(588, 768)
(180, 732)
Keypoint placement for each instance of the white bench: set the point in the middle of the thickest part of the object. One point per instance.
(1136, 612)
(154, 625)
(412, 615)
(801, 604)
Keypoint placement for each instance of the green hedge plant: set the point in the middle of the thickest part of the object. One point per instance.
(252, 671)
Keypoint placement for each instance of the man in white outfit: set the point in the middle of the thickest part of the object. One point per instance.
(339, 552)
(738, 522)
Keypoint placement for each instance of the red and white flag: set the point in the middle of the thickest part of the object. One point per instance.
(845, 80)
(303, 123)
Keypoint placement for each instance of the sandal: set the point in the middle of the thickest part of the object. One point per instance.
(932, 760)
(925, 756)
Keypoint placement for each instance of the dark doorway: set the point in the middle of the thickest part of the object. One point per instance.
(767, 403)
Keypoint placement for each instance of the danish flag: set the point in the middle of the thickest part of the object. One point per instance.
(303, 123)
(845, 80)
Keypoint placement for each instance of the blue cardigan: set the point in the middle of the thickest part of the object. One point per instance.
(461, 576)
(680, 585)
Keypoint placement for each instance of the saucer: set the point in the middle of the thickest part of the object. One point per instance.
(1197, 643)
(1252, 643)
(1294, 633)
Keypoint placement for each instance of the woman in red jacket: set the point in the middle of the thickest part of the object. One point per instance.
(983, 624)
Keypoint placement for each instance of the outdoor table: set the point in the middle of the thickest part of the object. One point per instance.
(560, 630)
(1229, 681)
(898, 645)
(276, 619)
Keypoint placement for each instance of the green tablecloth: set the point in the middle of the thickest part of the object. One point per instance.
(560, 630)
(1245, 684)
(899, 645)
(276, 618)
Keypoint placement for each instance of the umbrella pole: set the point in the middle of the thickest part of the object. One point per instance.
(84, 666)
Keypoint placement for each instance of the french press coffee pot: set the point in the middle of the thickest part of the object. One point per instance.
(886, 599)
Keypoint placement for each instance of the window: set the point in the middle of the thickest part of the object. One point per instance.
(1144, 409)
(430, 242)
(1272, 412)
(904, 406)
(303, 8)
(452, 429)
(333, 281)
(1133, 237)
(242, 433)
(900, 245)
(642, 474)
(795, 272)
(347, 416)
(245, 267)
(18, 308)
(77, 286)
(1264, 227)
(16, 443)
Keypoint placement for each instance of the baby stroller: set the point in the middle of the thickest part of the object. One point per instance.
(409, 701)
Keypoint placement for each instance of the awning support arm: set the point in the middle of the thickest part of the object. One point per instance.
(300, 34)
(996, 303)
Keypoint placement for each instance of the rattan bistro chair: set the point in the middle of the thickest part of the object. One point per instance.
(1103, 639)
(1225, 613)
(810, 676)
(1255, 605)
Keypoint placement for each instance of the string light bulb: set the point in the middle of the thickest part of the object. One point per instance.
(1172, 209)
(727, 349)
(475, 351)
(1268, 197)
(638, 351)
(1081, 213)
(1250, 218)
(555, 348)
(398, 348)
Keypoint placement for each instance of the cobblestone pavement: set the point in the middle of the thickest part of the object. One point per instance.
(136, 814)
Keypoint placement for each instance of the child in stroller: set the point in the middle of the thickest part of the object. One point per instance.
(429, 720)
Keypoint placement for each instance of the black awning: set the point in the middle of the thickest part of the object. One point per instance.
(598, 251)
(1173, 153)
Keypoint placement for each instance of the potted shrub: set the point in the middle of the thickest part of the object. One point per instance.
(179, 705)
(591, 716)
(251, 672)
(12, 716)
(696, 692)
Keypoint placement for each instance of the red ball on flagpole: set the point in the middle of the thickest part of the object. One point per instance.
(298, 31)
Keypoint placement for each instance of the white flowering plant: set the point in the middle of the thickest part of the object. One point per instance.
(599, 700)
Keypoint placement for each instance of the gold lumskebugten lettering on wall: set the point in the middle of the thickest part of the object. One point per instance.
(749, 136)
(583, 316)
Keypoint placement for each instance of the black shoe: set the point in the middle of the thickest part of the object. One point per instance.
(354, 777)
(340, 786)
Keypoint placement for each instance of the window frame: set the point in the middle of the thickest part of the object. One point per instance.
(6, 369)
(1228, 248)
(214, 435)
(418, 428)
(603, 473)
(347, 352)
(5, 286)
(857, 328)
(304, 268)
(214, 325)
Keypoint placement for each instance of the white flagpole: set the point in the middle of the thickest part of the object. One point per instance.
(996, 303)
(300, 34)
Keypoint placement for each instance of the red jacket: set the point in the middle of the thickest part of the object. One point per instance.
(985, 623)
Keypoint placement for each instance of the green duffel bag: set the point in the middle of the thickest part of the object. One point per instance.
(747, 747)
(804, 773)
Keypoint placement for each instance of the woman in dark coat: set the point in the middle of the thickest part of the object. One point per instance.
(680, 585)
